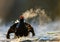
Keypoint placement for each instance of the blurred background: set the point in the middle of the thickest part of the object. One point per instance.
(11, 9)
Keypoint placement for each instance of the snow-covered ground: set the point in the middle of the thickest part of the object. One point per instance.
(46, 32)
